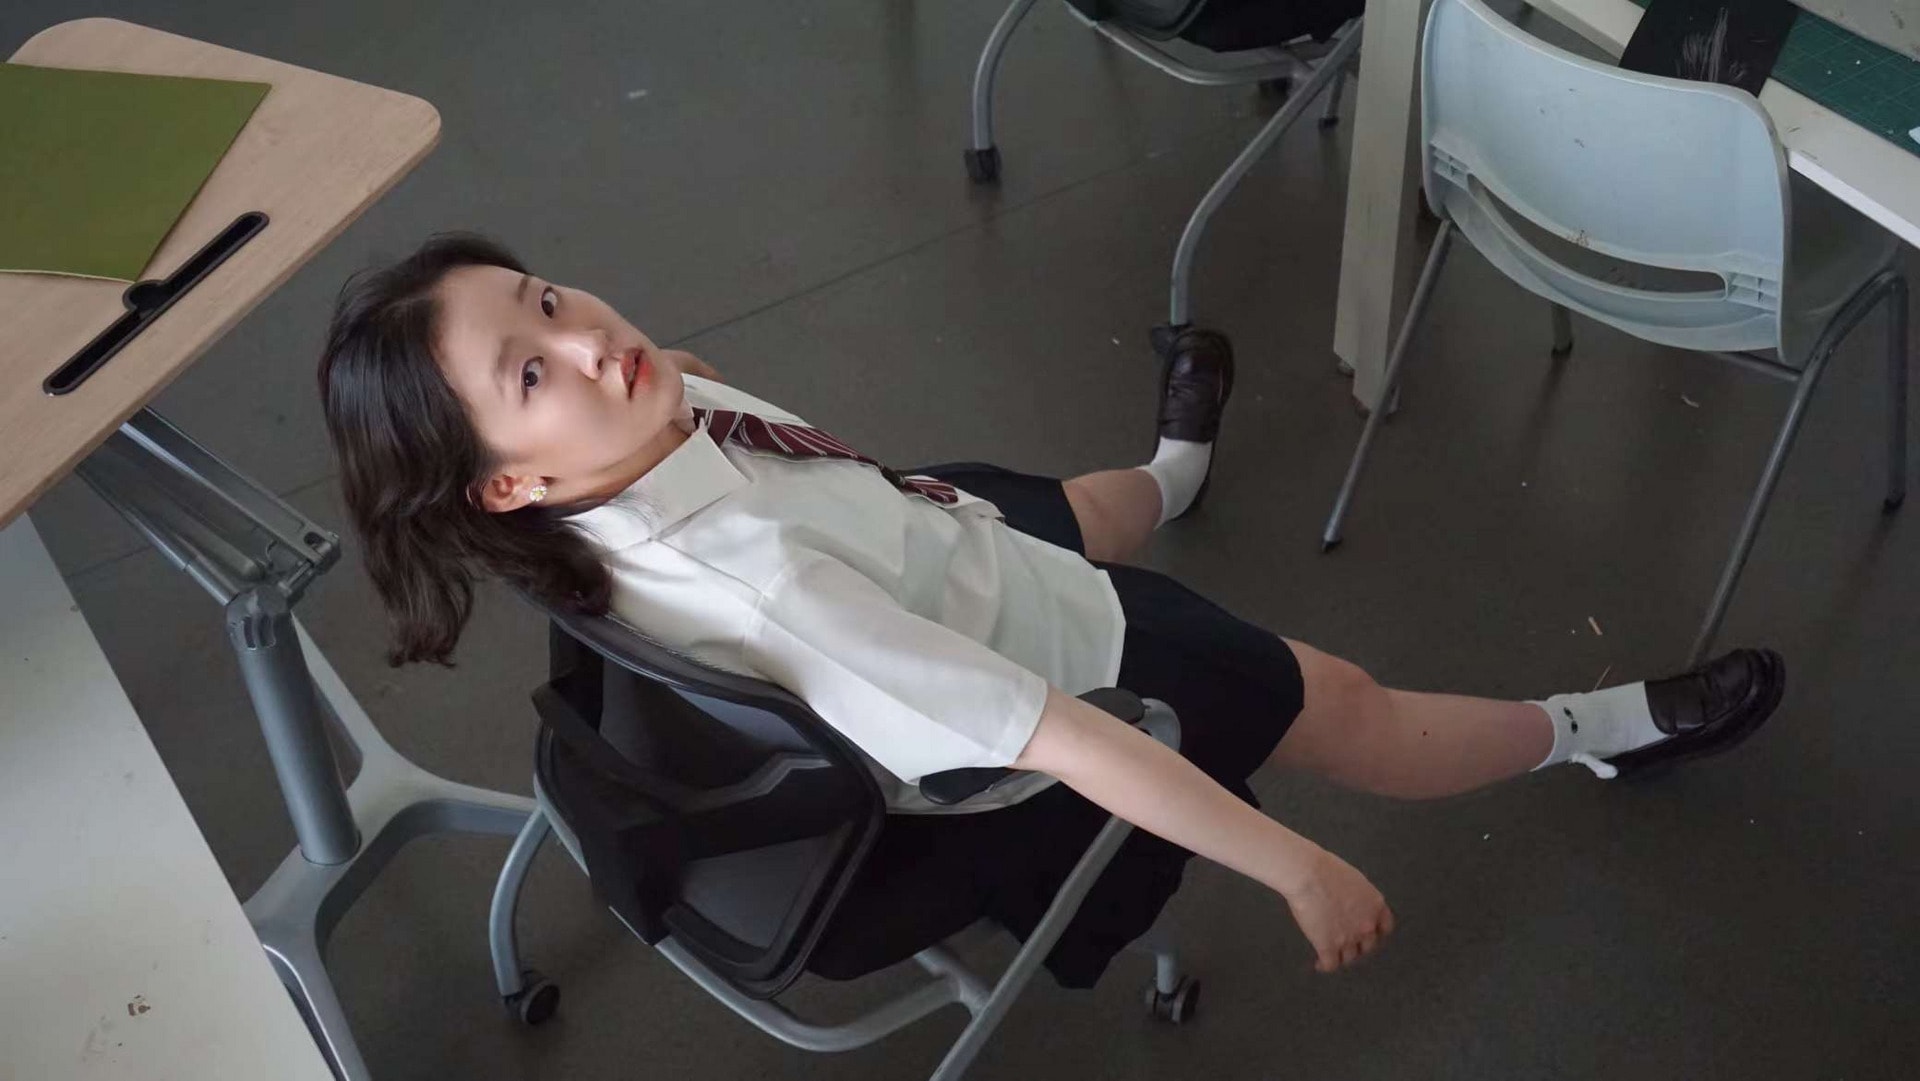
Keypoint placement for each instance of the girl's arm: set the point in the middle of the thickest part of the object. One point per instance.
(1128, 772)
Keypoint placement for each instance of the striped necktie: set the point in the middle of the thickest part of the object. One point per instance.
(799, 441)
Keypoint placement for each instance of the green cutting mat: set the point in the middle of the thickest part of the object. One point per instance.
(1868, 84)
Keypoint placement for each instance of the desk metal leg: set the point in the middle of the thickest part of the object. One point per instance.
(256, 555)
(392, 802)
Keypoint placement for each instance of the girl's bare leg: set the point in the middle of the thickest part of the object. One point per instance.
(1402, 743)
(1117, 509)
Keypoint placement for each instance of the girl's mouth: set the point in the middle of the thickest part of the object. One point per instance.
(633, 368)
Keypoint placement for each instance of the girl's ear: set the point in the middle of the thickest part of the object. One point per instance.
(503, 492)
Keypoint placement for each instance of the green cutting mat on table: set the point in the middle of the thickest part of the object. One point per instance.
(1868, 84)
(96, 166)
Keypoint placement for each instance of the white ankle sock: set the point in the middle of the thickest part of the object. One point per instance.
(1178, 467)
(1598, 725)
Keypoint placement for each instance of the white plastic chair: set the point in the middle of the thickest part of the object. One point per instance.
(1659, 206)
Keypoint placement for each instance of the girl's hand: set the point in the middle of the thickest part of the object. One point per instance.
(688, 364)
(1340, 912)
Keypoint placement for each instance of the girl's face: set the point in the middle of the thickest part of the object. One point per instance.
(567, 393)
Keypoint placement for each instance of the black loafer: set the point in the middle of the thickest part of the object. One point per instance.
(1708, 710)
(1195, 382)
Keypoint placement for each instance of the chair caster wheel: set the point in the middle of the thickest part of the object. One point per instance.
(536, 1000)
(1177, 1007)
(983, 166)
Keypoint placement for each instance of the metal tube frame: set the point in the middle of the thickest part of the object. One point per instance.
(1887, 285)
(1327, 73)
(988, 67)
(1436, 257)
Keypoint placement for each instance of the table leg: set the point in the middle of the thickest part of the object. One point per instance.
(256, 555)
(1383, 192)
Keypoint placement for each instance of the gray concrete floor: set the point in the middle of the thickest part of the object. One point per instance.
(778, 187)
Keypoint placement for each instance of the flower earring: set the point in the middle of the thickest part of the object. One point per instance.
(538, 493)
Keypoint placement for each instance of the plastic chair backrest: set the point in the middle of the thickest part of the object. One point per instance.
(1521, 137)
(709, 806)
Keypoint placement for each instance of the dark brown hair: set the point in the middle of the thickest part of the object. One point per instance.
(412, 463)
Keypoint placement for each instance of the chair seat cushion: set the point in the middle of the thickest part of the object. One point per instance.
(1225, 26)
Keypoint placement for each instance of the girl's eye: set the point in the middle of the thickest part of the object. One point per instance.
(549, 300)
(530, 375)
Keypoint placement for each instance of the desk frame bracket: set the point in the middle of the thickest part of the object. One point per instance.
(256, 555)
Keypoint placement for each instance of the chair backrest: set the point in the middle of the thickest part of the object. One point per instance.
(1623, 171)
(1158, 19)
(708, 806)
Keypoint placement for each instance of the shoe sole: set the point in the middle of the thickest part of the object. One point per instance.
(1729, 736)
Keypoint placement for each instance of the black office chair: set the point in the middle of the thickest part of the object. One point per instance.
(1306, 42)
(722, 821)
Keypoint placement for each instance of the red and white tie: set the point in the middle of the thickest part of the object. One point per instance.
(799, 441)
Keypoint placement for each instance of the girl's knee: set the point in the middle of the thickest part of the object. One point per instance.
(1339, 687)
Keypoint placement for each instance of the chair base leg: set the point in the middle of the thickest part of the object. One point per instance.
(983, 158)
(1330, 68)
(526, 994)
(1896, 395)
(1330, 112)
(1562, 331)
(393, 801)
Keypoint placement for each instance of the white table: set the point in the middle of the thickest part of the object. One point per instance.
(1381, 253)
(123, 951)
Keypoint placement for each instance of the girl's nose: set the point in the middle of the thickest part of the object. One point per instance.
(589, 350)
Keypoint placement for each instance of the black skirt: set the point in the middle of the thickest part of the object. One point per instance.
(1235, 688)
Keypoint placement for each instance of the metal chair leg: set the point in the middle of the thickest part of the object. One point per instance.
(1896, 394)
(1330, 67)
(1562, 331)
(1330, 537)
(501, 937)
(1886, 284)
(1330, 112)
(983, 158)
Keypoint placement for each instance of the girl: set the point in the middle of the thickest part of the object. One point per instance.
(490, 422)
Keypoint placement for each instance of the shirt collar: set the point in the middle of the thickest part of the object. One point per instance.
(696, 475)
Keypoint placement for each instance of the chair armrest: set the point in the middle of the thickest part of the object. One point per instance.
(952, 786)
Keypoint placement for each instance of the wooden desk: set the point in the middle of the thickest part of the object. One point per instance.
(125, 953)
(318, 152)
(1380, 252)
